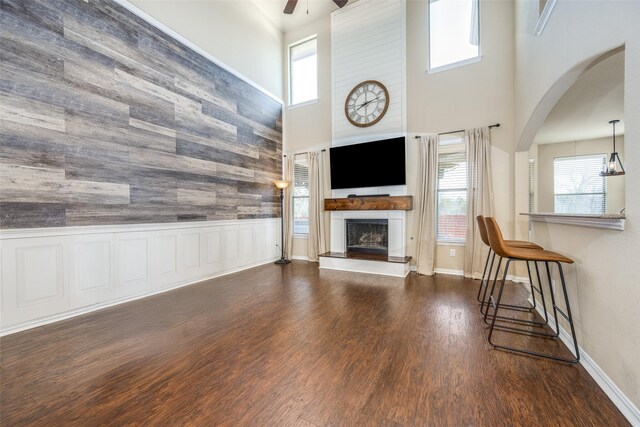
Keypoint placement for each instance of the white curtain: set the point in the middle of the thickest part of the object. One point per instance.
(317, 240)
(479, 196)
(427, 178)
(289, 170)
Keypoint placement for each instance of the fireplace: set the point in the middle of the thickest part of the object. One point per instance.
(367, 235)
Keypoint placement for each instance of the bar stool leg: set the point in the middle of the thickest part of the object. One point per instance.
(540, 290)
(568, 317)
(486, 284)
(485, 300)
(483, 274)
(553, 300)
(496, 306)
(523, 322)
(533, 295)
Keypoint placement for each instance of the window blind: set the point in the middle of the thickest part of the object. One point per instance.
(301, 197)
(452, 192)
(531, 184)
(578, 186)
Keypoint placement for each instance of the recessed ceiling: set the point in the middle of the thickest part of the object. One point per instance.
(317, 9)
(585, 110)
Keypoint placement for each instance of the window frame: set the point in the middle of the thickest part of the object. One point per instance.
(604, 183)
(290, 103)
(463, 149)
(302, 161)
(457, 64)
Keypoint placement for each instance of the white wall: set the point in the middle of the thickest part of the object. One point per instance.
(234, 31)
(603, 284)
(309, 127)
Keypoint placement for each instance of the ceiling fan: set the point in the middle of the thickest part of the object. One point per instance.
(291, 5)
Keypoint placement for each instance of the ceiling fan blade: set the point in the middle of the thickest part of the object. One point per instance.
(340, 3)
(290, 6)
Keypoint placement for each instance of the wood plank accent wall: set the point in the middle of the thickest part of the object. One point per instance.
(107, 120)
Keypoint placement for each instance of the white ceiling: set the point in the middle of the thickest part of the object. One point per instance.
(585, 110)
(317, 9)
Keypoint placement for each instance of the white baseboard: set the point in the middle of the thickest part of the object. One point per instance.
(454, 272)
(449, 271)
(299, 257)
(84, 310)
(622, 402)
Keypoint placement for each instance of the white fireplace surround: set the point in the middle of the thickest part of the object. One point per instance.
(396, 221)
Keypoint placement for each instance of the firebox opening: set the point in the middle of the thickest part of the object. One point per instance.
(367, 235)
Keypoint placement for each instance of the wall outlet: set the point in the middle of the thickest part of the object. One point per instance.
(452, 252)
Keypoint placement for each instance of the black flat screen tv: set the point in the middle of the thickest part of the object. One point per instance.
(371, 164)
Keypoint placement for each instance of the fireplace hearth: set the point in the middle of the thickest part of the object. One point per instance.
(367, 235)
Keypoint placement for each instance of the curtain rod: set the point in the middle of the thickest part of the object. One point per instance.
(304, 152)
(497, 125)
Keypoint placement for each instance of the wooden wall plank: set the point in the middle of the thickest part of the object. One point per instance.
(107, 120)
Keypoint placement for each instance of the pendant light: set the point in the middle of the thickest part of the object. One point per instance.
(614, 167)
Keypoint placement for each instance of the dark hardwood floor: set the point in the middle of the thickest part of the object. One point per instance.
(291, 345)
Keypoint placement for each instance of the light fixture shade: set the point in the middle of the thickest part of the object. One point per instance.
(281, 184)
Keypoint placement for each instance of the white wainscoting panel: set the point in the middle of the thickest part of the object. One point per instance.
(35, 278)
(164, 254)
(51, 274)
(92, 269)
(189, 250)
(212, 250)
(231, 247)
(133, 263)
(368, 43)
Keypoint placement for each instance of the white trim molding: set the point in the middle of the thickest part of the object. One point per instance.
(449, 271)
(168, 31)
(609, 221)
(622, 402)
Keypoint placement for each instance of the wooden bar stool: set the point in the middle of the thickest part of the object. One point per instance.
(499, 246)
(486, 277)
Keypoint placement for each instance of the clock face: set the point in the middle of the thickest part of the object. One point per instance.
(367, 103)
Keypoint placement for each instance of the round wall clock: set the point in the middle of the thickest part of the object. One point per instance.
(366, 104)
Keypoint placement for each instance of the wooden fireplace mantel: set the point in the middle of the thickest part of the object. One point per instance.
(372, 203)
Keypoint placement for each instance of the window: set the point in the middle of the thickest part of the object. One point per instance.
(578, 186)
(303, 71)
(301, 197)
(451, 203)
(454, 33)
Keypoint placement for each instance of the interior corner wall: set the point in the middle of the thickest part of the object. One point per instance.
(603, 281)
(235, 32)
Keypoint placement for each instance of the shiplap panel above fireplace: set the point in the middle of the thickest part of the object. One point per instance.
(368, 43)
